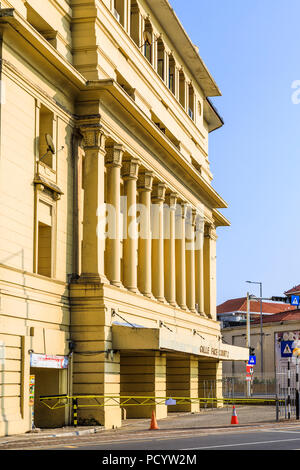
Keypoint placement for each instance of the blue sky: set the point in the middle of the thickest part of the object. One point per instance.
(252, 49)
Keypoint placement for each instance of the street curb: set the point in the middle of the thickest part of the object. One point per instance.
(67, 434)
(71, 433)
(36, 435)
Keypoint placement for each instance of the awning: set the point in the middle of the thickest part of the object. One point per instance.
(135, 337)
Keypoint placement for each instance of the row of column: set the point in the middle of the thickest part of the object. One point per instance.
(166, 261)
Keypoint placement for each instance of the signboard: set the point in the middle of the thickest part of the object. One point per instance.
(286, 348)
(50, 362)
(170, 401)
(295, 300)
(284, 344)
(252, 360)
(31, 389)
(249, 372)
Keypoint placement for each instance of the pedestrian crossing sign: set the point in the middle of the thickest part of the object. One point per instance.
(286, 348)
(295, 300)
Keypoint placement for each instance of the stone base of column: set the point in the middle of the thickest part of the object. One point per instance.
(95, 372)
(182, 381)
(143, 376)
(87, 278)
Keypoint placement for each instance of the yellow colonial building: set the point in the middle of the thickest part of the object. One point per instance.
(108, 216)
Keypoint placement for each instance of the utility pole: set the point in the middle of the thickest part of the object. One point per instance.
(248, 340)
(261, 328)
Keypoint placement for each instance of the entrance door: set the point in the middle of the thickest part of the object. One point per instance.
(49, 382)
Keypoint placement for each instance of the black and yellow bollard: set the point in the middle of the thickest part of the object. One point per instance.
(75, 409)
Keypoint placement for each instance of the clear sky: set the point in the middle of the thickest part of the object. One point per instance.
(252, 49)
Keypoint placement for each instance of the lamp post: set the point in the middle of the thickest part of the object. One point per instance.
(261, 328)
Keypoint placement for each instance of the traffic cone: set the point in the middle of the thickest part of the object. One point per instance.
(234, 419)
(153, 424)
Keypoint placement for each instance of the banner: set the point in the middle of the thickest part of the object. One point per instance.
(50, 362)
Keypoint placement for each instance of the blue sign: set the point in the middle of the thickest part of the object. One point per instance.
(170, 401)
(286, 348)
(295, 300)
(252, 361)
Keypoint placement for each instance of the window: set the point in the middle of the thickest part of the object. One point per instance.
(161, 59)
(135, 23)
(119, 10)
(45, 128)
(191, 109)
(172, 74)
(182, 88)
(148, 34)
(44, 249)
(44, 238)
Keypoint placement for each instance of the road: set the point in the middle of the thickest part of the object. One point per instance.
(266, 438)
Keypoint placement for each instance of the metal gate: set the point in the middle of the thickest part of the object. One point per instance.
(287, 391)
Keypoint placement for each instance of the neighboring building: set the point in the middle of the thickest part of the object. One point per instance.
(233, 312)
(282, 324)
(123, 97)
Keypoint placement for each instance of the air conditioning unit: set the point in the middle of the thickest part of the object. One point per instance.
(117, 15)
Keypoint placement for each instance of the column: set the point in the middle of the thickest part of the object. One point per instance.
(157, 219)
(113, 249)
(145, 182)
(210, 380)
(199, 264)
(93, 243)
(210, 271)
(190, 262)
(169, 248)
(130, 243)
(182, 381)
(180, 255)
(144, 375)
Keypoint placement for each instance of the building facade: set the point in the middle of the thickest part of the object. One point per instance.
(233, 312)
(277, 328)
(108, 216)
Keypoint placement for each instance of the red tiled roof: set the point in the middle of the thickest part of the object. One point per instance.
(240, 305)
(294, 290)
(279, 317)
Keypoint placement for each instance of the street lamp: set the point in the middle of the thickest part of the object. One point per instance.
(261, 328)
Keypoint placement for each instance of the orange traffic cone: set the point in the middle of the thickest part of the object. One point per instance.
(153, 424)
(234, 419)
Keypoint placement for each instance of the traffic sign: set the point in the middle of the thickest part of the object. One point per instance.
(286, 348)
(295, 300)
(252, 360)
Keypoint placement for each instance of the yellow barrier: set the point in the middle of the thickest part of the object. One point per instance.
(61, 401)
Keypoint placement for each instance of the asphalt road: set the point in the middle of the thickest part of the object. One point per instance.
(268, 438)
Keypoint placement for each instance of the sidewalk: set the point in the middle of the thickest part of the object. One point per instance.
(207, 419)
